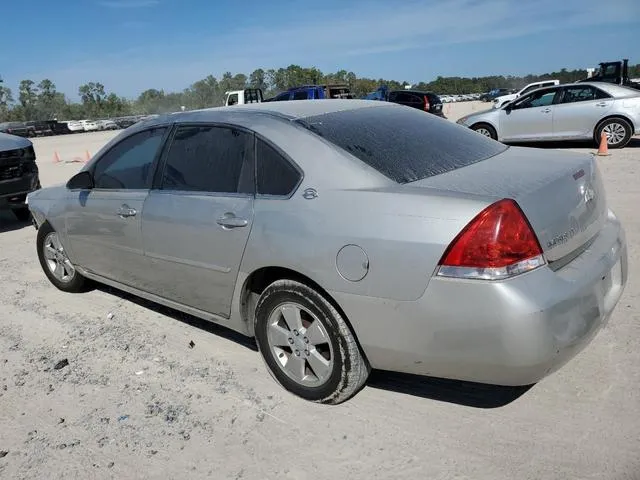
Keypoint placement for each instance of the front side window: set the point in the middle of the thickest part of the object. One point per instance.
(541, 98)
(275, 175)
(208, 159)
(129, 165)
(233, 99)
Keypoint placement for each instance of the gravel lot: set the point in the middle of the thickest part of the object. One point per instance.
(136, 401)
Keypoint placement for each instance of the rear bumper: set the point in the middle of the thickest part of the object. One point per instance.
(513, 332)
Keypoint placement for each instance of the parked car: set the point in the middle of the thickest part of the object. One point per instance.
(125, 122)
(18, 174)
(579, 111)
(342, 234)
(39, 128)
(74, 126)
(89, 125)
(314, 92)
(502, 100)
(492, 94)
(106, 125)
(425, 101)
(15, 128)
(242, 97)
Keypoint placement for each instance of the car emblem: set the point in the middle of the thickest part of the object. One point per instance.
(310, 193)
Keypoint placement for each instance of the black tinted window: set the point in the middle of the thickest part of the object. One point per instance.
(402, 143)
(208, 159)
(582, 94)
(300, 95)
(129, 164)
(276, 176)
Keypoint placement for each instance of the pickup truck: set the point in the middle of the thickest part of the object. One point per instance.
(18, 174)
(242, 97)
(502, 100)
(313, 92)
(16, 128)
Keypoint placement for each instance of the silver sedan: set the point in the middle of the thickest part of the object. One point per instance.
(346, 235)
(579, 111)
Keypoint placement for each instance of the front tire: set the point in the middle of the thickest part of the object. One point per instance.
(618, 132)
(306, 344)
(55, 263)
(486, 130)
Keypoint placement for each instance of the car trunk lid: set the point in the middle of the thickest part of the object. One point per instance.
(561, 193)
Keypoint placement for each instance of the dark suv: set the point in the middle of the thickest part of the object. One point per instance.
(427, 101)
(18, 174)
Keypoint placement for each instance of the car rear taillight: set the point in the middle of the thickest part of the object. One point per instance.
(498, 243)
(426, 104)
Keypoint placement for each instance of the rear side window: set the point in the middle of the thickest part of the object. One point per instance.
(275, 175)
(208, 159)
(402, 143)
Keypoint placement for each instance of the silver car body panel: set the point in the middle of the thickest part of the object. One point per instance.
(512, 331)
(571, 121)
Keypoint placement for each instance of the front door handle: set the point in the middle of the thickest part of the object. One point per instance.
(125, 211)
(229, 220)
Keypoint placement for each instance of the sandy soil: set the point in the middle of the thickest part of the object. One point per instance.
(137, 401)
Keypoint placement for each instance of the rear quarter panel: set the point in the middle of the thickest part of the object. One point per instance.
(402, 230)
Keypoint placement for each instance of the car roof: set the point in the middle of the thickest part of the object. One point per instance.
(292, 110)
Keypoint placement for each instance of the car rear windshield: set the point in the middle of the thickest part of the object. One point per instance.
(402, 143)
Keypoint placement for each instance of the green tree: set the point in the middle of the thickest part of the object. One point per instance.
(93, 97)
(6, 99)
(258, 79)
(28, 98)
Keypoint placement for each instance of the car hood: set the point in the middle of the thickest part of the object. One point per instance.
(12, 142)
(490, 115)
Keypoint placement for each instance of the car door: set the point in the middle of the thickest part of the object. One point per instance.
(580, 109)
(529, 117)
(197, 218)
(103, 224)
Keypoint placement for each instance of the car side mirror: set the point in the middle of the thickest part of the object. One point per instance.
(81, 181)
(508, 107)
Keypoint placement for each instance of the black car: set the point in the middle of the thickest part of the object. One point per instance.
(18, 174)
(15, 128)
(427, 101)
(39, 128)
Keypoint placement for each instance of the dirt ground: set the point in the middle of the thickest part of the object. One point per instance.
(137, 401)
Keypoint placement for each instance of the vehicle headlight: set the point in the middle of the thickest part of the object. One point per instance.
(462, 120)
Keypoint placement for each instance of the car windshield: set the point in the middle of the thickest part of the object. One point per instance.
(404, 144)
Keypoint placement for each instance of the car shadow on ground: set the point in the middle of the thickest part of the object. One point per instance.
(9, 223)
(468, 394)
(450, 391)
(634, 143)
(209, 327)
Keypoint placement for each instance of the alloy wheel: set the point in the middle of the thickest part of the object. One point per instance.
(300, 344)
(56, 258)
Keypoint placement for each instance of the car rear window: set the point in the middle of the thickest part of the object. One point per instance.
(404, 144)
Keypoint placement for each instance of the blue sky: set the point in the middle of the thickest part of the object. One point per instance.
(132, 45)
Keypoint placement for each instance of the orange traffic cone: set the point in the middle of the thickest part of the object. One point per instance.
(603, 148)
(87, 156)
(56, 157)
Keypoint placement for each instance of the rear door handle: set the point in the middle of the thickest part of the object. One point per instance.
(546, 110)
(602, 104)
(229, 220)
(125, 211)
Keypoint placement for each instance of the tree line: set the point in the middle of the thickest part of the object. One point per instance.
(42, 101)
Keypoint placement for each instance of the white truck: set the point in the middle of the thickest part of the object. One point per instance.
(242, 97)
(501, 101)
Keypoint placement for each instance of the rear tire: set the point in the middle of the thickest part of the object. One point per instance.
(306, 344)
(486, 130)
(618, 131)
(56, 264)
